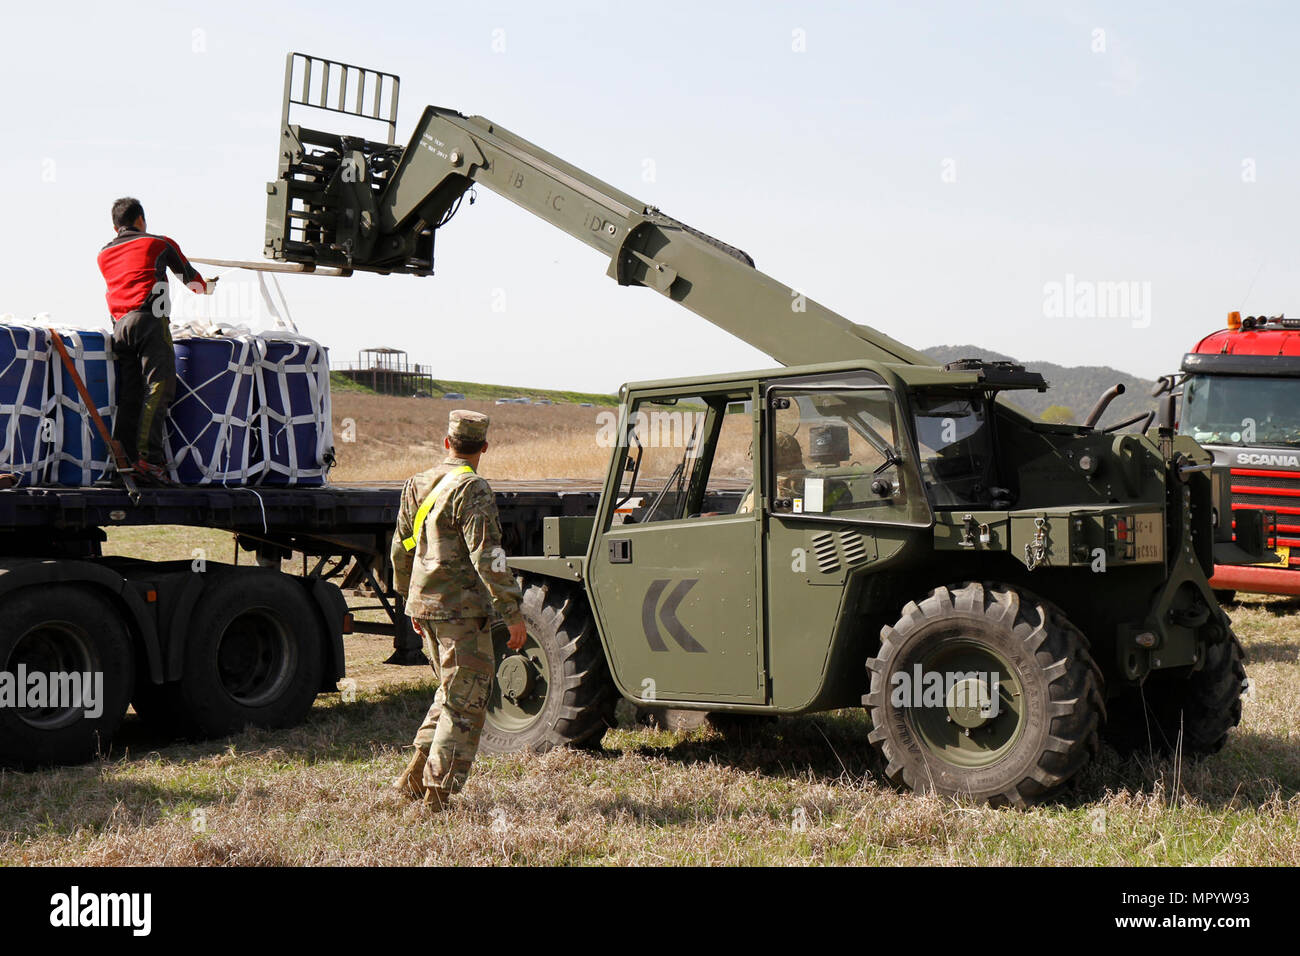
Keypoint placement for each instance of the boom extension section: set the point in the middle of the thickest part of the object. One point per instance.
(349, 203)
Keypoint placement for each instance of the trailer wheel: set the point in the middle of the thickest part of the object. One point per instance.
(958, 732)
(1202, 706)
(254, 657)
(557, 690)
(62, 629)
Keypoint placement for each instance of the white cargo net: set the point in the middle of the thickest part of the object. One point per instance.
(298, 437)
(26, 447)
(284, 417)
(217, 439)
(79, 455)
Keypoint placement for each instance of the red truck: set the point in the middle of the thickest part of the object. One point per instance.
(1241, 400)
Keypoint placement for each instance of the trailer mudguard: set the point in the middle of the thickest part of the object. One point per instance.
(16, 573)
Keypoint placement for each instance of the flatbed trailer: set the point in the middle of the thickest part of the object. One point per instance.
(203, 647)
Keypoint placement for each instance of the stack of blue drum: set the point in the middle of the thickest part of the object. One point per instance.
(249, 409)
(27, 440)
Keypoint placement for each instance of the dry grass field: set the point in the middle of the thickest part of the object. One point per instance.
(396, 437)
(804, 790)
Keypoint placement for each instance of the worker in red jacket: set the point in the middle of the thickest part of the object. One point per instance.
(135, 265)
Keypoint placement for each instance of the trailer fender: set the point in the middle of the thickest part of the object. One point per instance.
(135, 611)
(333, 610)
(179, 624)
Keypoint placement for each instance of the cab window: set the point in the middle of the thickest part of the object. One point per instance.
(842, 453)
(687, 457)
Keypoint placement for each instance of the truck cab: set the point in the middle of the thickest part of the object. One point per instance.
(1239, 401)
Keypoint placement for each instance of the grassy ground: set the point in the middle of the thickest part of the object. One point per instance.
(802, 790)
(381, 437)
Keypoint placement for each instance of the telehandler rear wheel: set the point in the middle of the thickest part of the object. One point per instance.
(1202, 706)
(984, 691)
(557, 690)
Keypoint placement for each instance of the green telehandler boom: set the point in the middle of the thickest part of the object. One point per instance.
(858, 528)
(349, 203)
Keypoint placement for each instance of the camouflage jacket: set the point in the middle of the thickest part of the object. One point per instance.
(458, 567)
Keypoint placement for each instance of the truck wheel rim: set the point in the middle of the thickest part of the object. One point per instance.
(975, 723)
(520, 688)
(53, 647)
(255, 658)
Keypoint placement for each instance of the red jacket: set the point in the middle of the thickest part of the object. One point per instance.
(135, 268)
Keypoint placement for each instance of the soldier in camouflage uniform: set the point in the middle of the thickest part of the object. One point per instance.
(450, 568)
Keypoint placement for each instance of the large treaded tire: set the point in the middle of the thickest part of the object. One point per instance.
(63, 628)
(254, 657)
(1062, 688)
(1204, 705)
(578, 705)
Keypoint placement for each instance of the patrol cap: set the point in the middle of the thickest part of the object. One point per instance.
(467, 425)
(788, 452)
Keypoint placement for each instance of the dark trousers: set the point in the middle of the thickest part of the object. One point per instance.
(142, 343)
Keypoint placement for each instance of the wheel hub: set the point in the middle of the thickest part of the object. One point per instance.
(515, 677)
(968, 703)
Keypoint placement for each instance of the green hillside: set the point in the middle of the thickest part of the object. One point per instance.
(486, 393)
(1072, 388)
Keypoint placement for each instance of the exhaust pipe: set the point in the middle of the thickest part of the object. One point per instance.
(1112, 393)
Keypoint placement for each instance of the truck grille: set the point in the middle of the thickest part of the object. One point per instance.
(1278, 491)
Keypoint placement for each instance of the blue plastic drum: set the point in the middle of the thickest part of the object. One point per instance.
(83, 457)
(295, 414)
(24, 365)
(209, 431)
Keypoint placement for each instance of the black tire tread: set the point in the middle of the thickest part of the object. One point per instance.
(1204, 707)
(1061, 649)
(588, 696)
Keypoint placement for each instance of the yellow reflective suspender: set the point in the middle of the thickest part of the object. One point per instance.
(427, 505)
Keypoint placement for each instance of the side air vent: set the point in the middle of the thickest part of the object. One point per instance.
(855, 552)
(823, 546)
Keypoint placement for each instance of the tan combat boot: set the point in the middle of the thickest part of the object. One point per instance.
(437, 799)
(411, 780)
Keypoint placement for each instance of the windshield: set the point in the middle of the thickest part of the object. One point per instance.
(1241, 410)
(956, 449)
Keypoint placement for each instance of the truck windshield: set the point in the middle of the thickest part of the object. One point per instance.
(1241, 410)
(956, 449)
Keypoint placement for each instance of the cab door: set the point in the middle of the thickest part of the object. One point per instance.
(674, 571)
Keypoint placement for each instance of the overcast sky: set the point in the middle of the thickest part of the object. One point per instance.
(948, 173)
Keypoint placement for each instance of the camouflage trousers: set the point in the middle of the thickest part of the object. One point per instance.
(461, 653)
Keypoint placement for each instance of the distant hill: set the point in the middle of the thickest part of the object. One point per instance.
(1077, 388)
(483, 392)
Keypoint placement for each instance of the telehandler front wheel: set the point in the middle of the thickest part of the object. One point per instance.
(556, 691)
(984, 691)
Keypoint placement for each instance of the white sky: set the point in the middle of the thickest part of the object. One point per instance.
(827, 166)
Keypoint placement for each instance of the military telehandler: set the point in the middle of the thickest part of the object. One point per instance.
(997, 592)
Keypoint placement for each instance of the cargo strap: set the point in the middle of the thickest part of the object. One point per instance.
(428, 503)
(124, 467)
